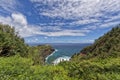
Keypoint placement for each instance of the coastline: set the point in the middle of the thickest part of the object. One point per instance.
(55, 50)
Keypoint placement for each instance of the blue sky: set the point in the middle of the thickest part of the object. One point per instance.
(60, 21)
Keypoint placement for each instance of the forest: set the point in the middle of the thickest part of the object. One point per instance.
(19, 61)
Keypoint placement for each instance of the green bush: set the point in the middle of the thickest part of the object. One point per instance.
(105, 45)
(18, 68)
(10, 42)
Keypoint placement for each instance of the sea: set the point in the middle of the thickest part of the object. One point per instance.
(63, 51)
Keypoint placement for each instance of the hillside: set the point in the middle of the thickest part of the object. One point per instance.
(11, 44)
(39, 53)
(19, 61)
(107, 45)
(100, 61)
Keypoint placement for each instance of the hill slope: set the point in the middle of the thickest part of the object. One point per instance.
(107, 45)
(22, 68)
(100, 61)
(10, 42)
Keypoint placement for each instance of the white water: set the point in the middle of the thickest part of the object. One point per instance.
(50, 55)
(60, 59)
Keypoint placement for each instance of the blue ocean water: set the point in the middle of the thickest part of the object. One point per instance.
(62, 50)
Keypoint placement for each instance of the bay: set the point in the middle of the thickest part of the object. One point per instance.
(64, 50)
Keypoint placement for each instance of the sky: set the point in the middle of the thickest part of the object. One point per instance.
(60, 21)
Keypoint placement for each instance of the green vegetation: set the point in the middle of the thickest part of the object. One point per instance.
(39, 53)
(100, 61)
(11, 44)
(107, 45)
(93, 69)
(18, 68)
(18, 61)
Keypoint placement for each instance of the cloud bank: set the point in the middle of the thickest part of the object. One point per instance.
(21, 25)
(80, 11)
(67, 17)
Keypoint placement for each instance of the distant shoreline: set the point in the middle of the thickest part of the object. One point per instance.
(36, 44)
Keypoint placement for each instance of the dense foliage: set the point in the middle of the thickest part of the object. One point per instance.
(39, 53)
(93, 69)
(107, 45)
(100, 61)
(18, 68)
(10, 42)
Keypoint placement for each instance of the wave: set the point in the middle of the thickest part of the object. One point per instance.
(60, 59)
(50, 55)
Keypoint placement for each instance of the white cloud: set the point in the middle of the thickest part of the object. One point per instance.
(47, 28)
(81, 11)
(21, 25)
(113, 18)
(72, 9)
(8, 5)
(83, 22)
(109, 24)
(18, 21)
(19, 18)
(5, 20)
(68, 33)
(90, 27)
(88, 41)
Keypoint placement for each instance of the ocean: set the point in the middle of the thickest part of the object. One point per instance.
(64, 51)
